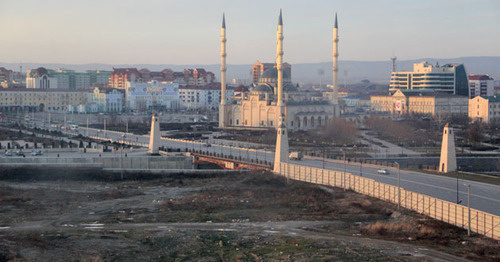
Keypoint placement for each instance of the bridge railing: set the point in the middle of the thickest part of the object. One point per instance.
(478, 221)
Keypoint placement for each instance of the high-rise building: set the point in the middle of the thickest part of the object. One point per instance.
(120, 76)
(481, 85)
(450, 78)
(259, 68)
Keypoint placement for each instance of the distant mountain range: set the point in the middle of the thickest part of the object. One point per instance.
(349, 71)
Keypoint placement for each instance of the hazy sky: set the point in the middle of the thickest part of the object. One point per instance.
(187, 32)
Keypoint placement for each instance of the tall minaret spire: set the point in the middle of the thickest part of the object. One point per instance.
(281, 153)
(279, 58)
(223, 68)
(335, 62)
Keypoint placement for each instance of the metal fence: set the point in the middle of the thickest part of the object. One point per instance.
(461, 216)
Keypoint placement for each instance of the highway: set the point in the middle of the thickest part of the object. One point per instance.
(484, 197)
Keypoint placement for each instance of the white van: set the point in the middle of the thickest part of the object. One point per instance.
(295, 156)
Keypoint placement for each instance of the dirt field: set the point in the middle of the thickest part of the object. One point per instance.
(219, 217)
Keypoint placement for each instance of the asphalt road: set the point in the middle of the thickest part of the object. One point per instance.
(485, 197)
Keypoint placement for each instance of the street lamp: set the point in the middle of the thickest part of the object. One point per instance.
(399, 187)
(344, 168)
(457, 186)
(468, 209)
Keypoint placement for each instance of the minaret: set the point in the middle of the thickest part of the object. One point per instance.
(223, 68)
(281, 153)
(448, 159)
(335, 68)
(154, 136)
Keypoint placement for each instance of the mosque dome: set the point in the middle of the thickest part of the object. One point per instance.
(289, 87)
(263, 88)
(40, 72)
(273, 73)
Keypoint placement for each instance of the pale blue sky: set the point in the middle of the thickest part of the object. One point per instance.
(187, 32)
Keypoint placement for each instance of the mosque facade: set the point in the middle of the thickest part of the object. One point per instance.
(258, 108)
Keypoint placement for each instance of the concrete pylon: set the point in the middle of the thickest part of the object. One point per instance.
(154, 136)
(281, 153)
(448, 160)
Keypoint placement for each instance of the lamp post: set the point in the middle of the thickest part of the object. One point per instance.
(361, 167)
(345, 167)
(468, 208)
(399, 187)
(121, 157)
(457, 185)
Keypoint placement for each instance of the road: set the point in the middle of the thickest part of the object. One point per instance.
(484, 197)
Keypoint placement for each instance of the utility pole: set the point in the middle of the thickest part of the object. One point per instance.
(457, 185)
(344, 169)
(399, 186)
(468, 208)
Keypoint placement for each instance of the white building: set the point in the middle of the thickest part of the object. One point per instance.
(208, 97)
(141, 97)
(40, 79)
(450, 78)
(106, 100)
(481, 85)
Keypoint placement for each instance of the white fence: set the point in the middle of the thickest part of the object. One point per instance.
(478, 221)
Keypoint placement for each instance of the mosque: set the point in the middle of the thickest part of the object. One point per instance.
(259, 108)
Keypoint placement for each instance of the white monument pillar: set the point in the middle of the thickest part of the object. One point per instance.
(223, 68)
(281, 153)
(448, 160)
(154, 136)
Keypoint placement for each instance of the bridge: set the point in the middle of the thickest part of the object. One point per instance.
(229, 161)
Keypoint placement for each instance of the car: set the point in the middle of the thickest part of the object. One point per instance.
(207, 145)
(20, 153)
(37, 153)
(383, 171)
(8, 153)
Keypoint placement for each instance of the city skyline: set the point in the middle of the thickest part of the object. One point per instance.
(160, 32)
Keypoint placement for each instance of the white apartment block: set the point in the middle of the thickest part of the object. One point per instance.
(206, 97)
(481, 85)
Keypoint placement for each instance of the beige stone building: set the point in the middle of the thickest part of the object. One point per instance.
(420, 102)
(485, 109)
(14, 99)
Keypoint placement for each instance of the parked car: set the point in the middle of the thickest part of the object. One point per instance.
(295, 156)
(207, 145)
(37, 153)
(383, 171)
(20, 153)
(8, 153)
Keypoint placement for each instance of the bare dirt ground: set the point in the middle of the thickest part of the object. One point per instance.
(219, 217)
